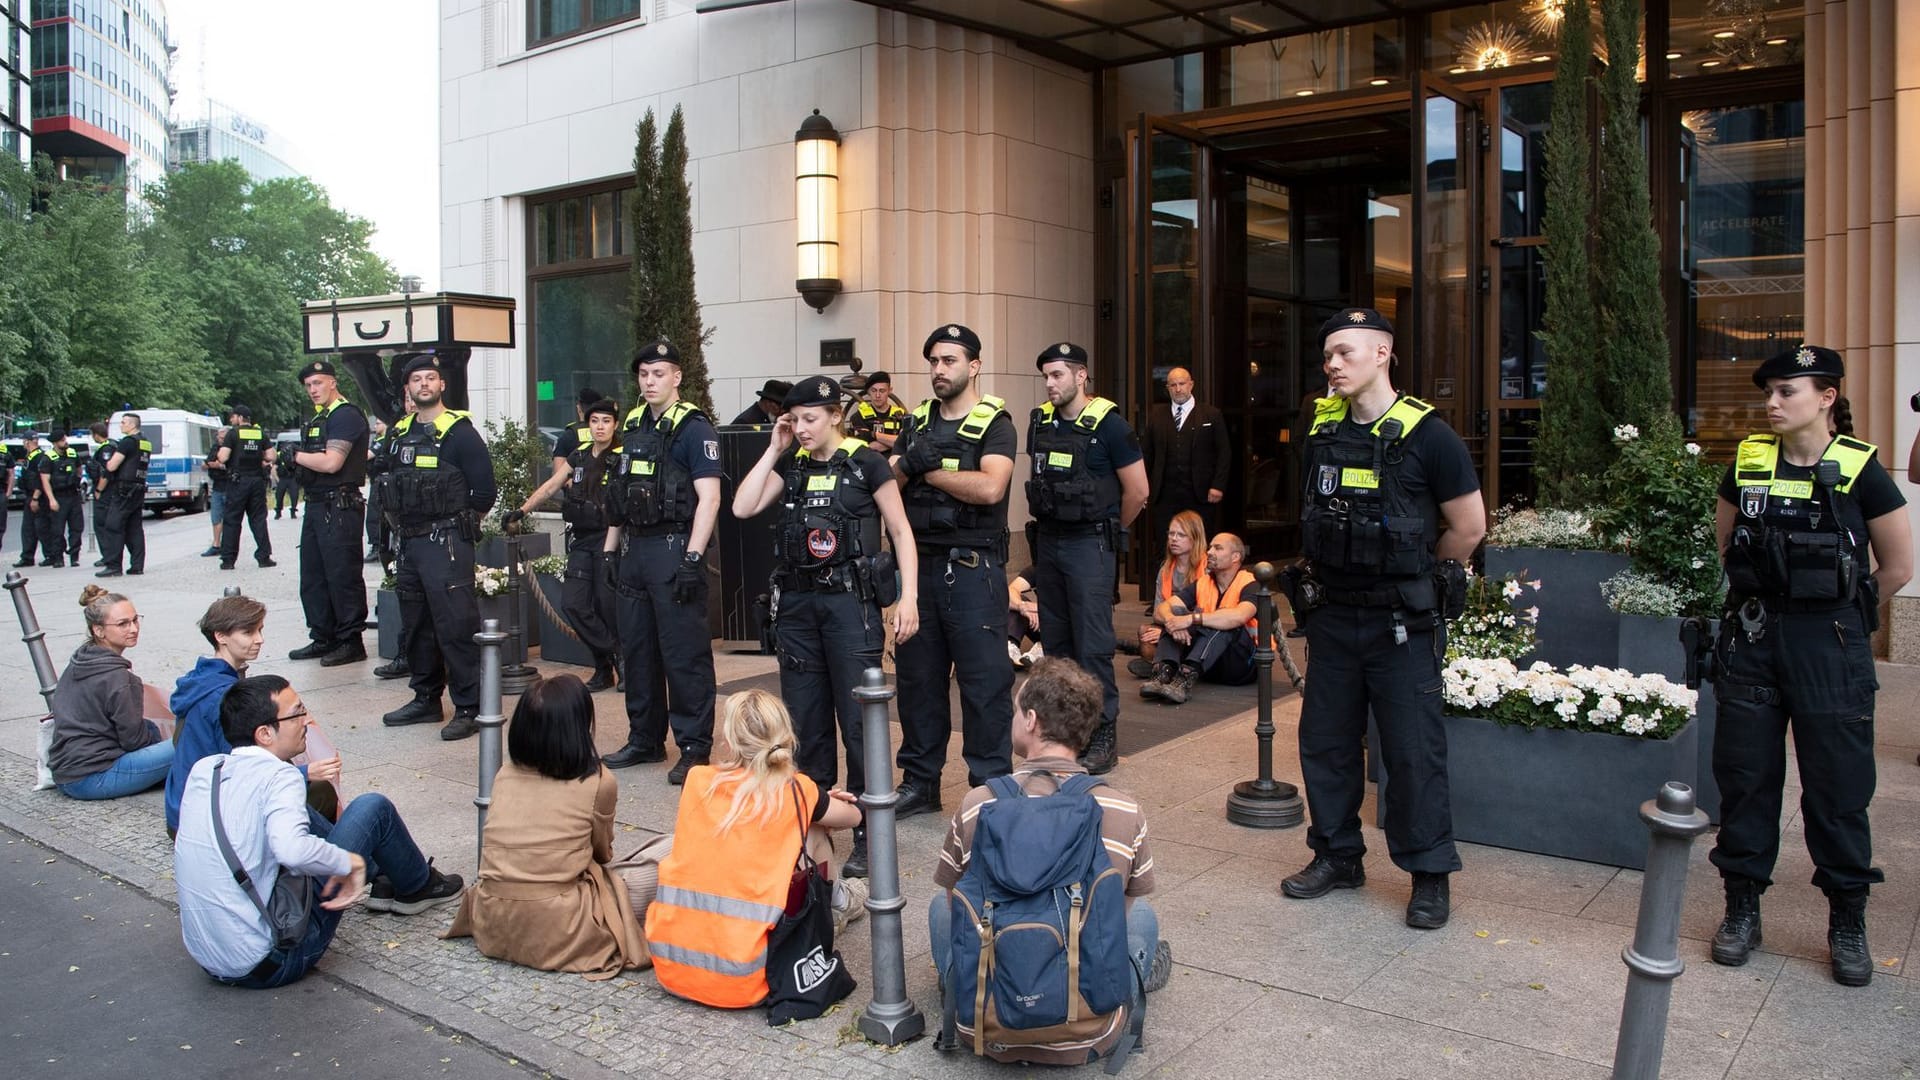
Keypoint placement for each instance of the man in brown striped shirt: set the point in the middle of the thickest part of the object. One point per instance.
(1054, 714)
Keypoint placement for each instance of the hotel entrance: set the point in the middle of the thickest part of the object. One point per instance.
(1249, 226)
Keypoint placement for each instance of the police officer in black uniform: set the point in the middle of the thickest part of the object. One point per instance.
(97, 480)
(955, 463)
(831, 578)
(30, 505)
(246, 454)
(60, 512)
(1799, 511)
(1088, 484)
(332, 466)
(880, 417)
(586, 602)
(665, 501)
(386, 547)
(123, 503)
(1384, 473)
(286, 480)
(440, 485)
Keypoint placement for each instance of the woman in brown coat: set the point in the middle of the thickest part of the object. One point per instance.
(545, 896)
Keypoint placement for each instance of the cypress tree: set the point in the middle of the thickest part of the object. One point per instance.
(1638, 368)
(644, 242)
(1574, 428)
(677, 304)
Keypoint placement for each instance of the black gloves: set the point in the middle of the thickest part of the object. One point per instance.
(690, 579)
(511, 518)
(921, 458)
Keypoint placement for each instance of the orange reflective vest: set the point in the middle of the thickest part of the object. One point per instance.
(721, 893)
(1207, 595)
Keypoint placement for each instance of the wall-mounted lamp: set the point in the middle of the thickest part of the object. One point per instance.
(816, 191)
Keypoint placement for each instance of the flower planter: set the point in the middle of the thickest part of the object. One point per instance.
(386, 611)
(1650, 645)
(556, 643)
(1570, 794)
(492, 551)
(1576, 626)
(513, 652)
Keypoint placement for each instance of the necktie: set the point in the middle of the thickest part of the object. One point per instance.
(1179, 417)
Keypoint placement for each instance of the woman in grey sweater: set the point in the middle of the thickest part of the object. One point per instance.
(103, 747)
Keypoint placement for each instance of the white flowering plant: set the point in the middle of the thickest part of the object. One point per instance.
(1499, 619)
(1604, 700)
(1566, 529)
(551, 565)
(490, 580)
(1631, 592)
(1660, 497)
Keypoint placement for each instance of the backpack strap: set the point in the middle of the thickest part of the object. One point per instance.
(1006, 787)
(240, 875)
(1080, 784)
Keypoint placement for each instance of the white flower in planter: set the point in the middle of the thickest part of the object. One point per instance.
(1695, 449)
(1626, 433)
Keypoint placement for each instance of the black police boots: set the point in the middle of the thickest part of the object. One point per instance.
(465, 724)
(396, 668)
(351, 652)
(678, 774)
(1847, 937)
(1102, 752)
(603, 675)
(916, 798)
(1323, 875)
(856, 864)
(635, 755)
(1431, 902)
(1739, 932)
(421, 710)
(312, 650)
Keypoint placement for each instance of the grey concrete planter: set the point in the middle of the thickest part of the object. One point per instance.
(386, 611)
(1570, 794)
(493, 552)
(1576, 626)
(1652, 646)
(556, 644)
(513, 652)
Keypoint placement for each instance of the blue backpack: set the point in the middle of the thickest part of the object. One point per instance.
(1038, 958)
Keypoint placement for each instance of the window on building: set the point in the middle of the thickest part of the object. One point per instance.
(1313, 63)
(578, 271)
(550, 19)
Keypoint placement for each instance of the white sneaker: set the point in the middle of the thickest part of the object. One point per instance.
(1034, 656)
(1013, 653)
(849, 902)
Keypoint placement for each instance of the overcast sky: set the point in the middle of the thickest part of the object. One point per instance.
(352, 85)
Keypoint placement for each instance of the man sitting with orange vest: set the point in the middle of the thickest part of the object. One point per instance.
(1207, 627)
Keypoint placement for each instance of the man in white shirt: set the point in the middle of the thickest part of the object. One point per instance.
(263, 807)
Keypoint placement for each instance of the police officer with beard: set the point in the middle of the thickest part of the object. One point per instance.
(587, 604)
(30, 504)
(666, 499)
(60, 511)
(1089, 483)
(955, 464)
(332, 465)
(124, 501)
(440, 485)
(878, 419)
(1383, 475)
(246, 454)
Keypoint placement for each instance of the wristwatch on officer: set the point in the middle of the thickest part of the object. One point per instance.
(694, 557)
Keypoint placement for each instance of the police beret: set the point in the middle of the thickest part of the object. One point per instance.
(775, 390)
(1361, 318)
(879, 378)
(1065, 350)
(656, 351)
(423, 362)
(317, 367)
(812, 392)
(241, 411)
(1805, 360)
(604, 407)
(955, 333)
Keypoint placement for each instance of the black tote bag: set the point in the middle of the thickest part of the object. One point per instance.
(805, 975)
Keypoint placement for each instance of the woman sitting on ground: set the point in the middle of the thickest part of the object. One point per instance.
(103, 744)
(1186, 560)
(736, 840)
(545, 896)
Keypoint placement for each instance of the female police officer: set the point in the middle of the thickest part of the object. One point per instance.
(832, 578)
(1798, 512)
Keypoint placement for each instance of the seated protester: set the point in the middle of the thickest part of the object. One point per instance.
(263, 812)
(1023, 618)
(545, 896)
(736, 840)
(1184, 564)
(1209, 627)
(1054, 714)
(103, 744)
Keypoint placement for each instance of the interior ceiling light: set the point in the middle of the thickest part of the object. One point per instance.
(1673, 56)
(1777, 41)
(1545, 15)
(1376, 82)
(1709, 63)
(1493, 45)
(1723, 35)
(1303, 93)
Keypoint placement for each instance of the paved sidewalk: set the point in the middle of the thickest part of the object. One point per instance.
(1525, 981)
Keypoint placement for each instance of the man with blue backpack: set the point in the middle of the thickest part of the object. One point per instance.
(1045, 943)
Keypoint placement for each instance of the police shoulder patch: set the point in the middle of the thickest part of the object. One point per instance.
(713, 449)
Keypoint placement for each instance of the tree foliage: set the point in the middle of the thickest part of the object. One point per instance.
(643, 245)
(665, 304)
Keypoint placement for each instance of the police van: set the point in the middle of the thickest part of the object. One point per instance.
(177, 470)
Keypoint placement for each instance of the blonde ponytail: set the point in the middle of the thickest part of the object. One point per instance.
(759, 734)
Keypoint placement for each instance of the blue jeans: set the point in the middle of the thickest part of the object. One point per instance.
(371, 828)
(1143, 936)
(133, 773)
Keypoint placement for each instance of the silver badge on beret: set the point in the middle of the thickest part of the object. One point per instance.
(660, 350)
(1356, 316)
(1066, 349)
(953, 331)
(1804, 357)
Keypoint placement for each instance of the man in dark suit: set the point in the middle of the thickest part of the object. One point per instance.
(1188, 458)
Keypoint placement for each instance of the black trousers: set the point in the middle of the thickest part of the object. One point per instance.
(1221, 656)
(1076, 607)
(124, 508)
(827, 641)
(246, 499)
(29, 529)
(378, 540)
(438, 616)
(332, 591)
(286, 490)
(70, 519)
(666, 652)
(1356, 664)
(962, 638)
(589, 605)
(1813, 672)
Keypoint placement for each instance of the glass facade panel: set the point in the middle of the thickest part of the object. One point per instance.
(1711, 37)
(549, 19)
(1174, 248)
(1743, 216)
(1156, 87)
(1314, 63)
(1513, 33)
(580, 339)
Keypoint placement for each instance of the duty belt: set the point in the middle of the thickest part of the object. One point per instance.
(1383, 596)
(1781, 605)
(344, 498)
(665, 528)
(409, 531)
(833, 579)
(971, 558)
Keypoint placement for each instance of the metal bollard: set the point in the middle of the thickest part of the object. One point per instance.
(490, 638)
(231, 590)
(34, 636)
(517, 675)
(889, 1019)
(1653, 960)
(1265, 803)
